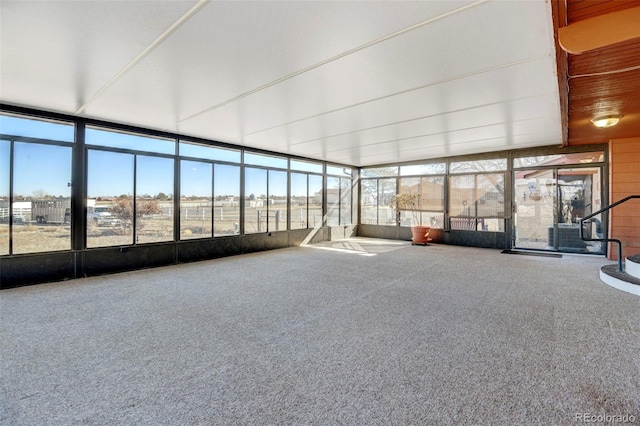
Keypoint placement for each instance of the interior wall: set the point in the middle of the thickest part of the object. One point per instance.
(624, 180)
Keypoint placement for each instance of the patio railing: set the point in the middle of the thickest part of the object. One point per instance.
(587, 219)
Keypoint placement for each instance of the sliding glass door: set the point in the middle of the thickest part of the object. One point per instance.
(535, 196)
(549, 205)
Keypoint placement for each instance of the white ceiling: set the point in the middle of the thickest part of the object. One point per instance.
(360, 83)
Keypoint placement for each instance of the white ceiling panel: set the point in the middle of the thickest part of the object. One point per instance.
(443, 149)
(465, 118)
(502, 90)
(57, 54)
(502, 85)
(503, 134)
(353, 82)
(503, 130)
(232, 48)
(403, 63)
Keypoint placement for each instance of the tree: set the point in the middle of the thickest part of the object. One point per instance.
(123, 209)
(40, 194)
(406, 202)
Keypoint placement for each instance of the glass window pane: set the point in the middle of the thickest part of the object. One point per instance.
(196, 183)
(255, 196)
(35, 128)
(369, 202)
(315, 201)
(277, 211)
(154, 199)
(479, 224)
(490, 193)
(491, 225)
(265, 160)
(379, 172)
(41, 198)
(345, 202)
(114, 139)
(339, 171)
(226, 194)
(299, 200)
(305, 166)
(432, 193)
(423, 169)
(410, 186)
(432, 219)
(462, 193)
(475, 198)
(493, 165)
(580, 194)
(5, 152)
(333, 201)
(409, 218)
(559, 159)
(386, 191)
(209, 152)
(110, 192)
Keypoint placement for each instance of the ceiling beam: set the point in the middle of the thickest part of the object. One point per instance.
(600, 31)
(559, 17)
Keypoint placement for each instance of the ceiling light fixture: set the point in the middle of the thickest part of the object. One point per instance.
(606, 120)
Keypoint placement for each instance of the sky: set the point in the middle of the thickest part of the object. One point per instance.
(45, 169)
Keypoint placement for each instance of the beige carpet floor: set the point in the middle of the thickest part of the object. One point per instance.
(354, 332)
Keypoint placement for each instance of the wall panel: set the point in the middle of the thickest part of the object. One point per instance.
(22, 270)
(624, 180)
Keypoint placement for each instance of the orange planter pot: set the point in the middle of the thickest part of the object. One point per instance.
(420, 235)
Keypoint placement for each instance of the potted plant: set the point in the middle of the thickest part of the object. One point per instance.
(409, 202)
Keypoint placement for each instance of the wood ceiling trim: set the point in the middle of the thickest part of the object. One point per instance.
(604, 80)
(600, 31)
(578, 10)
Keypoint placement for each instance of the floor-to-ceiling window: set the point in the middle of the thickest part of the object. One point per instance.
(378, 185)
(265, 193)
(5, 163)
(110, 198)
(306, 194)
(209, 191)
(196, 195)
(427, 182)
(154, 199)
(339, 196)
(277, 200)
(130, 180)
(73, 184)
(477, 194)
(35, 184)
(226, 199)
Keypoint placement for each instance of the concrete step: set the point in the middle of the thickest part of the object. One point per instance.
(628, 281)
(632, 265)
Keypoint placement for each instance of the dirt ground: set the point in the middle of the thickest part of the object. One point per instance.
(37, 238)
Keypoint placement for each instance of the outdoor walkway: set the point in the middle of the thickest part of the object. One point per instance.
(356, 332)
